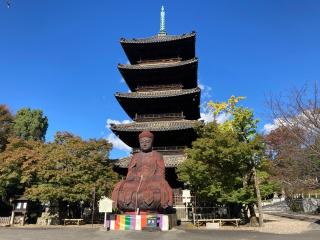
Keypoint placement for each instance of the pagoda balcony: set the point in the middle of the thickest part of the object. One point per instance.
(147, 88)
(170, 160)
(159, 61)
(167, 149)
(159, 117)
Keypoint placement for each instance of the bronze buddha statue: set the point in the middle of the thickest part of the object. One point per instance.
(145, 187)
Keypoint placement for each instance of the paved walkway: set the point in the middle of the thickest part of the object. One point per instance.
(277, 228)
(175, 234)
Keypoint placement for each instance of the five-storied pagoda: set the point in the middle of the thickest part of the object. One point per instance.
(164, 97)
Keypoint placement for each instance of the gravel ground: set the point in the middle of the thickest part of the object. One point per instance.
(279, 225)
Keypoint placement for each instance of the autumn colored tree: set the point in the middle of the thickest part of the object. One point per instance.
(294, 144)
(300, 110)
(294, 166)
(71, 169)
(30, 124)
(18, 166)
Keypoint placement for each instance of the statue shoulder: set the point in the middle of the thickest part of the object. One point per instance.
(157, 154)
(133, 160)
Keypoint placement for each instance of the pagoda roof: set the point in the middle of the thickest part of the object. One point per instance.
(159, 47)
(172, 160)
(166, 133)
(155, 126)
(159, 94)
(157, 65)
(186, 101)
(158, 38)
(182, 73)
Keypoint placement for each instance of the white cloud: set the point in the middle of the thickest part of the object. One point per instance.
(201, 86)
(117, 143)
(268, 127)
(205, 91)
(112, 121)
(221, 118)
(208, 117)
(112, 138)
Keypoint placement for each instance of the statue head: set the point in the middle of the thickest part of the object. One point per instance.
(146, 140)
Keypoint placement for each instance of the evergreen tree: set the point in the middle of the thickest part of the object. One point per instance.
(30, 124)
(5, 125)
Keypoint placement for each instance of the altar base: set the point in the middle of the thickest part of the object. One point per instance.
(140, 222)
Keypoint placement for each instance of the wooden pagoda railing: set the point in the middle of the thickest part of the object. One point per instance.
(156, 117)
(159, 87)
(157, 61)
(164, 149)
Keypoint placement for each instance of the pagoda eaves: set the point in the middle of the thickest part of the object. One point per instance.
(161, 75)
(181, 101)
(167, 133)
(180, 47)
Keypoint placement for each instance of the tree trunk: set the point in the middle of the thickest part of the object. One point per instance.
(253, 217)
(257, 190)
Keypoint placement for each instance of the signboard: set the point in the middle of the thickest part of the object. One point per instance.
(186, 196)
(105, 205)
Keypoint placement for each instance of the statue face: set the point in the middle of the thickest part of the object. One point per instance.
(145, 144)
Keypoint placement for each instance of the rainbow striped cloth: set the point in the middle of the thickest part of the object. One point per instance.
(137, 222)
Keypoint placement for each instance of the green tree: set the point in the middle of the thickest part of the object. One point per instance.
(5, 125)
(30, 124)
(222, 162)
(71, 169)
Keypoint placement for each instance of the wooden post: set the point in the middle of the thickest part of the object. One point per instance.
(12, 218)
(94, 199)
(105, 220)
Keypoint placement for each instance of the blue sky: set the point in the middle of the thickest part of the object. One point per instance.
(61, 56)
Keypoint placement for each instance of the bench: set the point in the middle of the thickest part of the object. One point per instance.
(73, 221)
(234, 221)
(221, 221)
